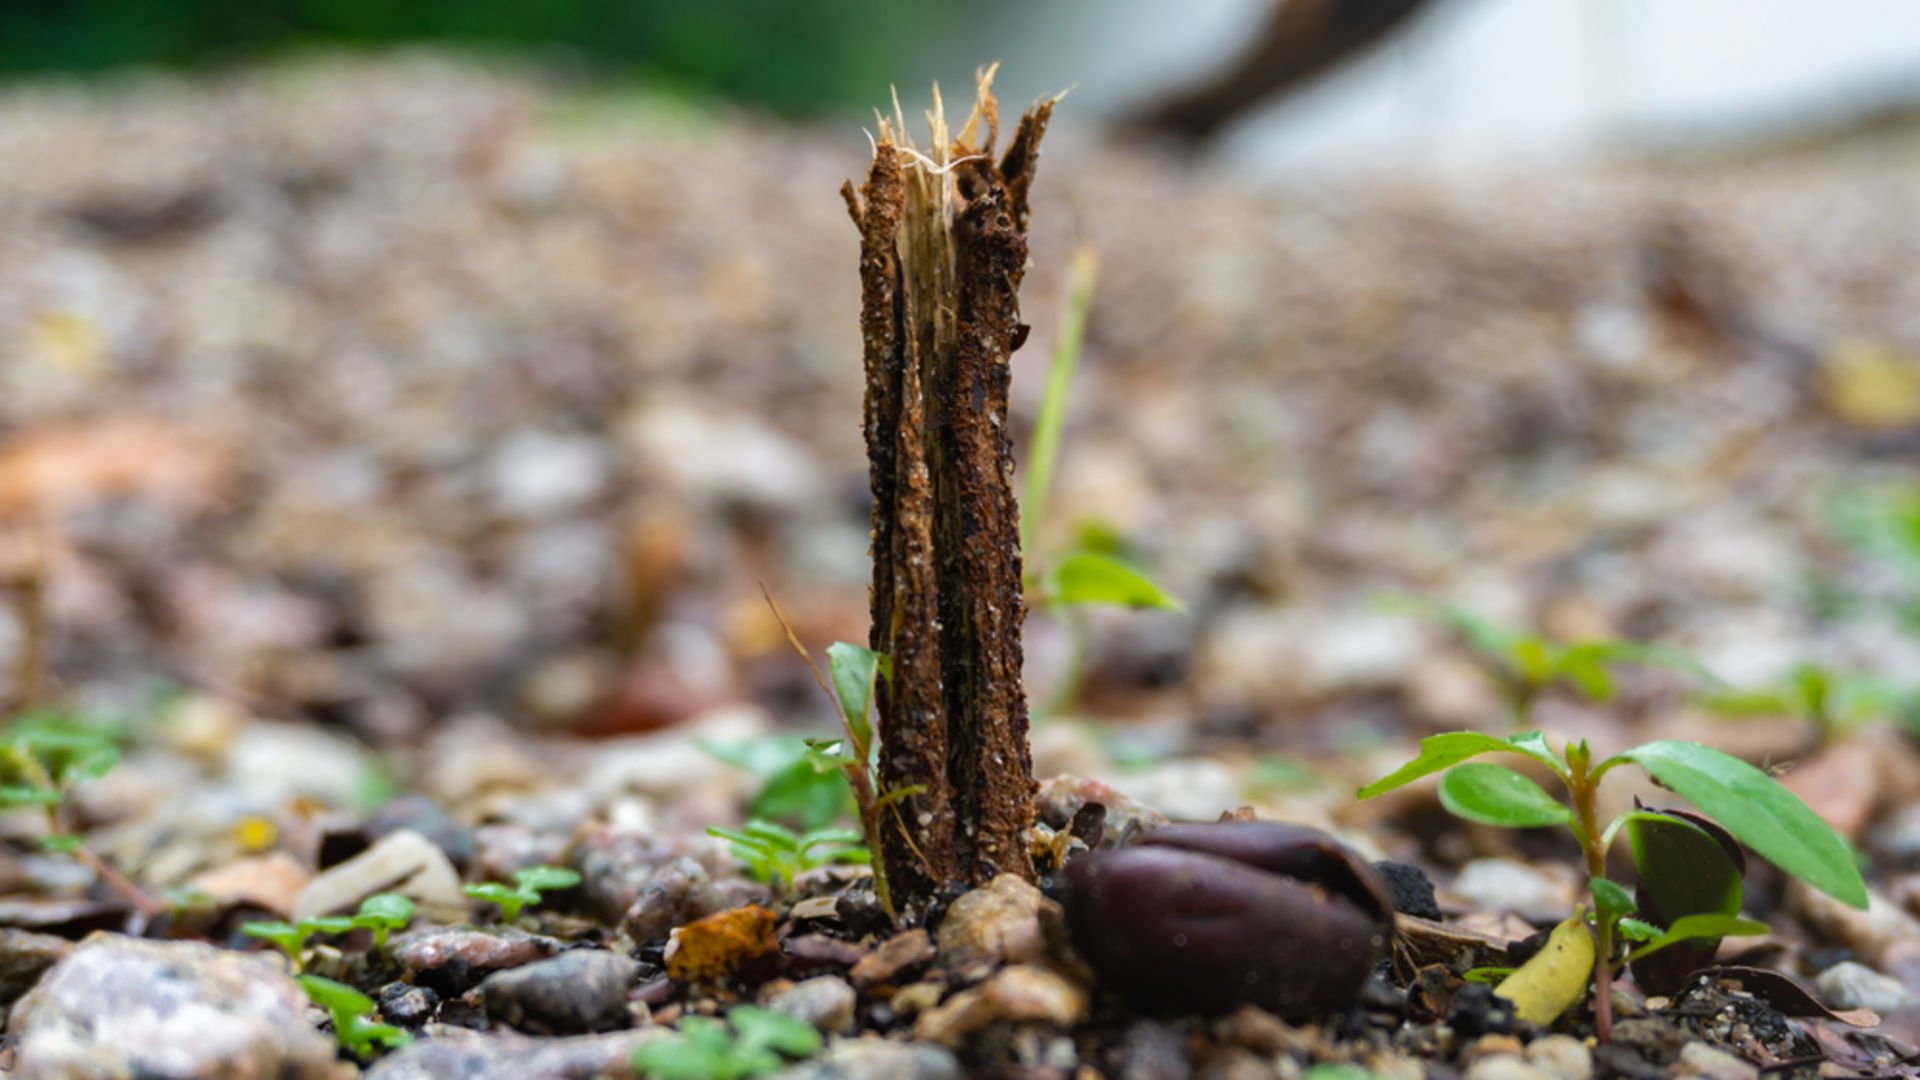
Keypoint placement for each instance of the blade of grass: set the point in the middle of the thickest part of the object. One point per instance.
(1053, 405)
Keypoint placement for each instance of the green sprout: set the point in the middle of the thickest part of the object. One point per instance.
(1744, 803)
(380, 914)
(1097, 571)
(43, 755)
(797, 787)
(1525, 665)
(349, 1008)
(854, 675)
(776, 855)
(751, 1041)
(526, 890)
(1831, 702)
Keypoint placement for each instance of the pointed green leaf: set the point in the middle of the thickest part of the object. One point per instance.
(1610, 898)
(765, 1029)
(1439, 752)
(1496, 795)
(1087, 578)
(854, 670)
(1697, 928)
(546, 878)
(1758, 811)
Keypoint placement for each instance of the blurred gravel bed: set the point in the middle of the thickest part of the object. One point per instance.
(441, 391)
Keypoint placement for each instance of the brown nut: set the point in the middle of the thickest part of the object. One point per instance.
(1207, 918)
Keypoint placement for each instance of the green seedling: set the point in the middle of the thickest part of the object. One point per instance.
(526, 890)
(356, 1034)
(380, 914)
(1746, 804)
(751, 1041)
(776, 855)
(796, 787)
(1830, 702)
(853, 673)
(43, 755)
(1525, 665)
(1094, 572)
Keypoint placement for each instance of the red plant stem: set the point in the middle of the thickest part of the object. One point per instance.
(111, 878)
(1584, 791)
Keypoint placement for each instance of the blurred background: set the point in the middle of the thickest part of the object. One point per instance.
(461, 366)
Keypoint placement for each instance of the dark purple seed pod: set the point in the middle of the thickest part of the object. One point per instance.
(1207, 918)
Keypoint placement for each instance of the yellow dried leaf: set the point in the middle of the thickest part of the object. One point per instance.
(1550, 983)
(710, 949)
(1870, 386)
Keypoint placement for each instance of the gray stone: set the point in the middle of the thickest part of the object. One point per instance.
(1698, 1061)
(825, 1001)
(581, 991)
(506, 1056)
(451, 958)
(676, 894)
(402, 861)
(122, 1007)
(1848, 985)
(878, 1059)
(1505, 1067)
(1000, 922)
(24, 957)
(1507, 885)
(1561, 1057)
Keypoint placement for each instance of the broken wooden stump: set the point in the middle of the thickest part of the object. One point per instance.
(943, 250)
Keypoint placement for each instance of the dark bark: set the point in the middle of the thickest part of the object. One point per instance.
(942, 257)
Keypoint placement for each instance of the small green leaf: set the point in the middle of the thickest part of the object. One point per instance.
(288, 938)
(854, 670)
(12, 795)
(1696, 928)
(1439, 752)
(1496, 795)
(508, 899)
(773, 836)
(336, 997)
(1758, 811)
(1586, 669)
(392, 909)
(327, 924)
(764, 1028)
(1637, 929)
(61, 843)
(543, 879)
(1488, 975)
(1087, 578)
(1610, 898)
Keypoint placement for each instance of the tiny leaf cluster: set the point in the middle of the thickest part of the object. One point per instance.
(356, 1034)
(381, 914)
(776, 855)
(751, 1041)
(526, 891)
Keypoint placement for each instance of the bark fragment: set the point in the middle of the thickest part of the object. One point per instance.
(943, 251)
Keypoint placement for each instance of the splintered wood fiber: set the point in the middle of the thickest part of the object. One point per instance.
(943, 250)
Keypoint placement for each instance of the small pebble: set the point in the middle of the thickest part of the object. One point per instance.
(1699, 1061)
(581, 991)
(1505, 1067)
(1562, 1057)
(1849, 985)
(407, 1006)
(825, 1001)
